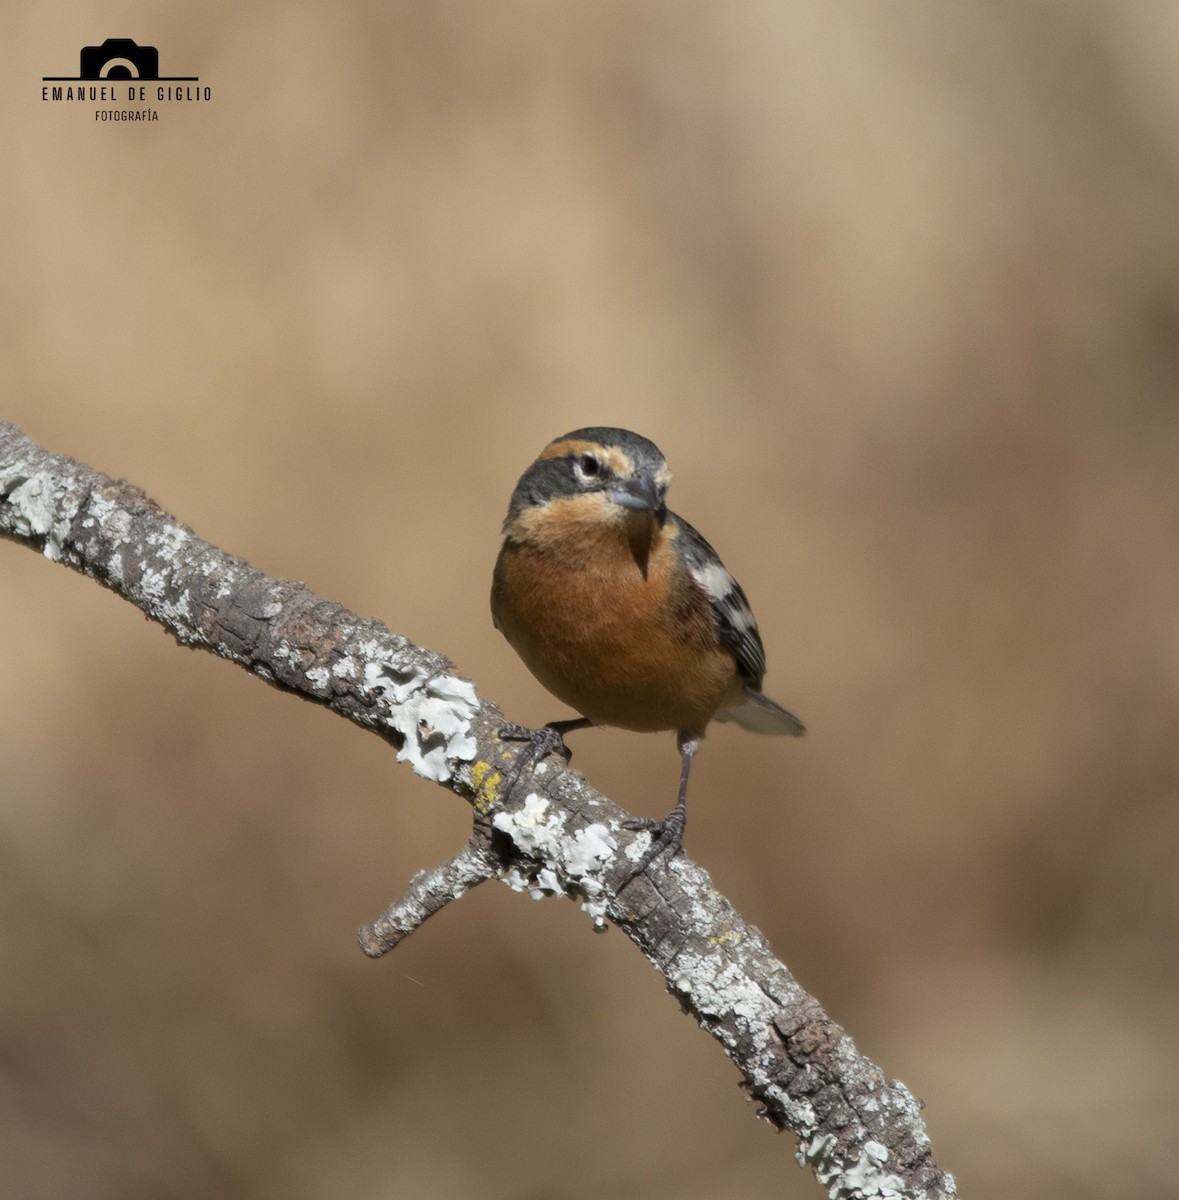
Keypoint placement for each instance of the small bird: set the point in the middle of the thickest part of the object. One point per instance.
(623, 611)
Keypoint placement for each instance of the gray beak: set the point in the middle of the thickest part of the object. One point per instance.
(640, 494)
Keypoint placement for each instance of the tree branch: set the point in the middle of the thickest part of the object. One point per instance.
(860, 1133)
(430, 891)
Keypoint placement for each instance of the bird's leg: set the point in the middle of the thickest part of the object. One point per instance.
(548, 739)
(668, 834)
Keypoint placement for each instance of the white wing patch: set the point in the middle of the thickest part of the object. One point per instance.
(722, 590)
(713, 578)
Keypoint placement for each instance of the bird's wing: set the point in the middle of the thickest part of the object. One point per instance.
(736, 626)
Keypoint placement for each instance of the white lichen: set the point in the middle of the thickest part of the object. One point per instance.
(318, 678)
(589, 850)
(638, 846)
(800, 1115)
(546, 883)
(104, 514)
(34, 504)
(168, 539)
(573, 862)
(717, 986)
(516, 880)
(862, 1178)
(534, 832)
(153, 585)
(433, 716)
(397, 683)
(154, 588)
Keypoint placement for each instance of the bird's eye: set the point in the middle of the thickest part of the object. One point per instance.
(588, 466)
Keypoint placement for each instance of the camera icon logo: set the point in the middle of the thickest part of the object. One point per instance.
(120, 58)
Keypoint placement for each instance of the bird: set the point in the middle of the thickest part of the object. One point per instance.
(624, 612)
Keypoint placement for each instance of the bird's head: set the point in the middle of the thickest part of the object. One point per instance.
(600, 474)
(590, 490)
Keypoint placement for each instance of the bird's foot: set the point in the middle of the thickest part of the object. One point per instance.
(548, 739)
(667, 837)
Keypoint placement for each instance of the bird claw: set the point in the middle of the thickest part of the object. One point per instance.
(541, 743)
(667, 837)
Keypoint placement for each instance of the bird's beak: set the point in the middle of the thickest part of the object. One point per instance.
(641, 494)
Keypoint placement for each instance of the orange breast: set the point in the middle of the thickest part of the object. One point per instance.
(620, 647)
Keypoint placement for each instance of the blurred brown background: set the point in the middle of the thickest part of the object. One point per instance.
(893, 287)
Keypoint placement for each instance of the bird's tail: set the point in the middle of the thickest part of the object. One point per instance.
(760, 714)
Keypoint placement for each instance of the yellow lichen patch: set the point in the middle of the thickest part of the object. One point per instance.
(725, 939)
(486, 780)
